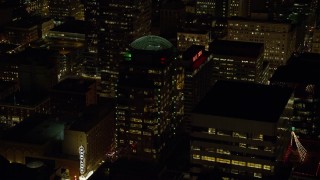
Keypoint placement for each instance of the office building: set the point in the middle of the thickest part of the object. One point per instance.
(37, 70)
(69, 40)
(238, 61)
(17, 106)
(61, 10)
(316, 41)
(9, 67)
(190, 36)
(114, 25)
(302, 74)
(171, 18)
(238, 8)
(234, 131)
(35, 7)
(278, 38)
(26, 30)
(92, 134)
(149, 99)
(216, 8)
(77, 144)
(198, 76)
(71, 96)
(205, 7)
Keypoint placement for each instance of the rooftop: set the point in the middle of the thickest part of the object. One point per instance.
(25, 99)
(236, 48)
(245, 100)
(28, 22)
(151, 43)
(300, 69)
(37, 129)
(91, 117)
(74, 85)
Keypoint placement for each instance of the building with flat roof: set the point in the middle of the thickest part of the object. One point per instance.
(17, 106)
(26, 30)
(77, 143)
(93, 133)
(238, 61)
(191, 36)
(240, 128)
(278, 38)
(198, 77)
(72, 95)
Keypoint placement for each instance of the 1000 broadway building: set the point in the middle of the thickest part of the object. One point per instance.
(240, 128)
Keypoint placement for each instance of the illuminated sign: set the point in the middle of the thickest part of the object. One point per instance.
(195, 57)
(82, 160)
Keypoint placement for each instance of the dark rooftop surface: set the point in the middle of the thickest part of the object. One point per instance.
(4, 85)
(245, 100)
(5, 48)
(37, 56)
(92, 116)
(300, 69)
(38, 129)
(73, 26)
(28, 22)
(25, 99)
(236, 48)
(74, 85)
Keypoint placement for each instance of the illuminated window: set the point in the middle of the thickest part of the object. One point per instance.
(238, 163)
(224, 161)
(147, 150)
(242, 145)
(257, 175)
(195, 148)
(253, 165)
(267, 167)
(208, 158)
(258, 137)
(195, 156)
(239, 135)
(212, 131)
(221, 151)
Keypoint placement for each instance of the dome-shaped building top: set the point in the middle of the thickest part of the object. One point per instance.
(151, 43)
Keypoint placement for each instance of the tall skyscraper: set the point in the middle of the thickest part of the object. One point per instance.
(60, 10)
(149, 99)
(115, 23)
(238, 8)
(217, 8)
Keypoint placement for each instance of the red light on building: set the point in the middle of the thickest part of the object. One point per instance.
(162, 60)
(195, 57)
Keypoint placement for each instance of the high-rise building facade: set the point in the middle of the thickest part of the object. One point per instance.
(316, 41)
(238, 8)
(149, 99)
(115, 24)
(238, 61)
(217, 8)
(198, 76)
(60, 10)
(234, 131)
(278, 38)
